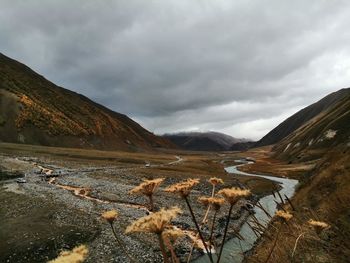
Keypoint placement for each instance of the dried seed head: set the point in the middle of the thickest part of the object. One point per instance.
(232, 195)
(154, 223)
(77, 255)
(110, 216)
(215, 181)
(286, 216)
(173, 234)
(197, 242)
(204, 200)
(216, 202)
(183, 188)
(318, 225)
(148, 187)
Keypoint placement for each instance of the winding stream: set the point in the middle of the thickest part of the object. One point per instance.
(234, 248)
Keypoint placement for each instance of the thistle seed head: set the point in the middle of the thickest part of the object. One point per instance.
(154, 223)
(232, 195)
(319, 226)
(148, 187)
(183, 188)
(215, 181)
(77, 255)
(110, 216)
(286, 216)
(216, 202)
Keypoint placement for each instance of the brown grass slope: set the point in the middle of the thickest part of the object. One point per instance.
(322, 196)
(36, 111)
(328, 130)
(301, 117)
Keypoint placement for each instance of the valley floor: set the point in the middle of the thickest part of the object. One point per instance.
(41, 217)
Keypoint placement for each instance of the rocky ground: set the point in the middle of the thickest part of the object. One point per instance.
(41, 217)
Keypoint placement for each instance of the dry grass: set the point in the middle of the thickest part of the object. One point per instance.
(324, 201)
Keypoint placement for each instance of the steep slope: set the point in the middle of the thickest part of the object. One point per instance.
(323, 193)
(328, 130)
(203, 141)
(301, 117)
(36, 111)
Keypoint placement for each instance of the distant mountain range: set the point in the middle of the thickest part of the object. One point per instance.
(330, 112)
(33, 110)
(302, 117)
(206, 141)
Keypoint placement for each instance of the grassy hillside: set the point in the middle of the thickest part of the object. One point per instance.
(36, 111)
(322, 195)
(328, 130)
(301, 117)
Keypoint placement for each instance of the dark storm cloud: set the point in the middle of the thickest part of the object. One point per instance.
(233, 66)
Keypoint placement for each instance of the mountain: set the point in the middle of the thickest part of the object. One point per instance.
(327, 131)
(242, 146)
(323, 191)
(33, 110)
(203, 141)
(301, 117)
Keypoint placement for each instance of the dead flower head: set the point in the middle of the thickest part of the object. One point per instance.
(232, 195)
(173, 233)
(77, 255)
(318, 225)
(154, 223)
(286, 216)
(215, 181)
(148, 187)
(216, 202)
(197, 242)
(110, 216)
(183, 188)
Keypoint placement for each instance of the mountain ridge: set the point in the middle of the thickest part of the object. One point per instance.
(36, 111)
(328, 130)
(203, 141)
(301, 117)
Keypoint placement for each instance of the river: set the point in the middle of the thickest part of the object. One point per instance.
(234, 248)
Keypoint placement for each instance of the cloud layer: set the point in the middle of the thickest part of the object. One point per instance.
(238, 67)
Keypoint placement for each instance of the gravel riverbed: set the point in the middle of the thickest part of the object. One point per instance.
(53, 218)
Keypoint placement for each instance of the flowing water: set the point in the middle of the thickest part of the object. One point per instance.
(234, 248)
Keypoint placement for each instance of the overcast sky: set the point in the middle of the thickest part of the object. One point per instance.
(238, 67)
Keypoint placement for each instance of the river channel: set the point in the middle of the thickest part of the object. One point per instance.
(234, 248)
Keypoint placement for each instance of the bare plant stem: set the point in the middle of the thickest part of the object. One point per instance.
(120, 243)
(162, 248)
(290, 202)
(225, 233)
(274, 244)
(151, 203)
(203, 223)
(282, 202)
(212, 228)
(296, 244)
(262, 208)
(198, 229)
(208, 209)
(253, 229)
(174, 257)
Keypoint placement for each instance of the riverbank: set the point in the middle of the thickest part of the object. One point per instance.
(235, 249)
(322, 196)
